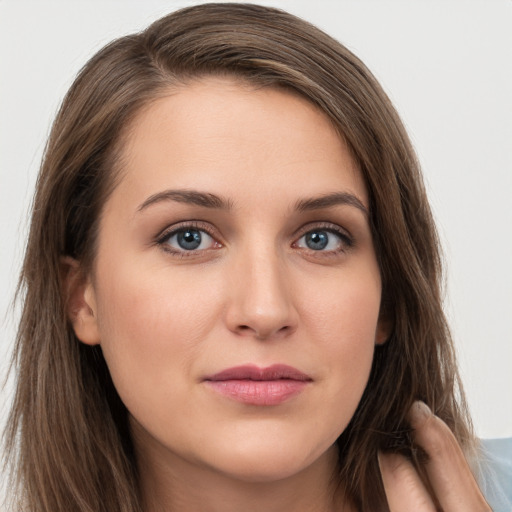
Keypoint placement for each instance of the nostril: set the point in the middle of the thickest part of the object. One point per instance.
(262, 333)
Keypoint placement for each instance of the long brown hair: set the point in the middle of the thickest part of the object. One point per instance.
(68, 436)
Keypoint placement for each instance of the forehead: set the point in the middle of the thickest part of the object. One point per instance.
(233, 139)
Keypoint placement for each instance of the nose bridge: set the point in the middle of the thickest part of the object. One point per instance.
(261, 302)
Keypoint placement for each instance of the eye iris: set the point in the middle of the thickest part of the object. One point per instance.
(189, 239)
(317, 240)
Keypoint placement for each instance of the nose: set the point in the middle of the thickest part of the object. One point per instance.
(261, 299)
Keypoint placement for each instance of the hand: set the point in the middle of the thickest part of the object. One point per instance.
(451, 480)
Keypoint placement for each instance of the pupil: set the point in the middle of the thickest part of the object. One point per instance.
(190, 239)
(317, 240)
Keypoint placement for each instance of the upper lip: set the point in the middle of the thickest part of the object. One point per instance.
(253, 372)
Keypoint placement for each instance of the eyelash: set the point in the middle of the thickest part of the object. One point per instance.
(163, 239)
(346, 241)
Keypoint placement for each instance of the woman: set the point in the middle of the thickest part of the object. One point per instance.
(243, 272)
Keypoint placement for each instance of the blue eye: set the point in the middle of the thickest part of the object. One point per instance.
(322, 240)
(317, 240)
(189, 239)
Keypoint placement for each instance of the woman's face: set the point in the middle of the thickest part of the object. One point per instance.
(235, 291)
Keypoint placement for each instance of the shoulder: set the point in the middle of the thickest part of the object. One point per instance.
(493, 470)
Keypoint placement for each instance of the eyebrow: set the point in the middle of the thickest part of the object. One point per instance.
(329, 200)
(204, 199)
(209, 200)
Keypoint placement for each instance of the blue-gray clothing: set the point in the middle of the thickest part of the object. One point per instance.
(494, 473)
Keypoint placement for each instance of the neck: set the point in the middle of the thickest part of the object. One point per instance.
(170, 483)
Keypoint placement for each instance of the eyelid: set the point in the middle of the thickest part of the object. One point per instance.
(163, 236)
(180, 226)
(345, 236)
(169, 231)
(326, 225)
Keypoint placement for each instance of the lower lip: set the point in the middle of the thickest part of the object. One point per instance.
(258, 392)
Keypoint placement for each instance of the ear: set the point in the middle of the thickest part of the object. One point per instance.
(80, 301)
(384, 329)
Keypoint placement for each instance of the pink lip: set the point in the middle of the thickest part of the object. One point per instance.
(259, 386)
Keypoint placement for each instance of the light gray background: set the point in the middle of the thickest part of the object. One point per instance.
(447, 65)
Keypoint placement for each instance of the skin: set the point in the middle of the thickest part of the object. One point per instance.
(453, 485)
(254, 292)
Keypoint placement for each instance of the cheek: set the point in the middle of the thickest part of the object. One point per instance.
(150, 332)
(344, 311)
(151, 304)
(343, 319)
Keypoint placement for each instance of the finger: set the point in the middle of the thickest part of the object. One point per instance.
(447, 469)
(404, 489)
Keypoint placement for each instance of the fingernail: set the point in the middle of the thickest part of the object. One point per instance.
(419, 412)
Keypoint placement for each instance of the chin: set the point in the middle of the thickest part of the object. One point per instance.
(263, 471)
(270, 462)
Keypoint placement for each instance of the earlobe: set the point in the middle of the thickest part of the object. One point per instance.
(384, 329)
(79, 299)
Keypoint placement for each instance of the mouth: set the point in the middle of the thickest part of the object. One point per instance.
(252, 385)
